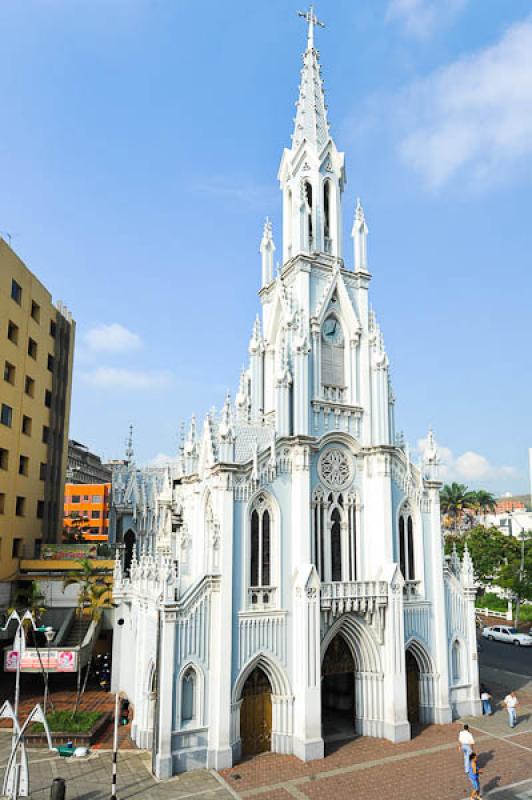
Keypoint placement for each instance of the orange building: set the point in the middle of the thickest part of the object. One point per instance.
(86, 509)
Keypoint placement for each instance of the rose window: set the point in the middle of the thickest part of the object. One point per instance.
(335, 469)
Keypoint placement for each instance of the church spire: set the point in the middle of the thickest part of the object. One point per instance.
(311, 116)
(311, 173)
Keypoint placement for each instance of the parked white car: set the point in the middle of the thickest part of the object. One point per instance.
(503, 633)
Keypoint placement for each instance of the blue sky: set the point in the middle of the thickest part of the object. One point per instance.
(139, 151)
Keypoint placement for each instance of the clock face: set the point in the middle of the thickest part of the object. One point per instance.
(332, 331)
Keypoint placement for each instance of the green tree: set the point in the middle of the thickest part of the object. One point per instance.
(490, 550)
(90, 583)
(516, 573)
(455, 501)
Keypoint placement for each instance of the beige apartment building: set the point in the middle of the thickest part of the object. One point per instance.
(36, 355)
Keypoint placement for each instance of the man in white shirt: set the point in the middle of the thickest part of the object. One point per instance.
(511, 702)
(466, 744)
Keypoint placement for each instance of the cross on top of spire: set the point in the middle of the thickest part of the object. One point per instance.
(312, 20)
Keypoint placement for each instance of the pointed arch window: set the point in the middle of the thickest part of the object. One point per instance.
(327, 243)
(334, 535)
(407, 558)
(456, 662)
(261, 590)
(307, 189)
(188, 696)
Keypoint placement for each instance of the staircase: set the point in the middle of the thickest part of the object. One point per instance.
(77, 632)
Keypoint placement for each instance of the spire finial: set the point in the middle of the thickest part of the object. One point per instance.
(310, 17)
(129, 446)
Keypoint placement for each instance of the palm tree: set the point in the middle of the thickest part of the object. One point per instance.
(485, 502)
(90, 582)
(455, 500)
(99, 597)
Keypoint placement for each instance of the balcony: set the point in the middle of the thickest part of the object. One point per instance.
(261, 598)
(362, 597)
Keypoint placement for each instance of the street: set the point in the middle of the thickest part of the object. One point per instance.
(499, 655)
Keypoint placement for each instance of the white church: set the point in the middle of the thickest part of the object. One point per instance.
(283, 584)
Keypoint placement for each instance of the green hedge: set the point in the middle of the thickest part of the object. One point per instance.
(64, 722)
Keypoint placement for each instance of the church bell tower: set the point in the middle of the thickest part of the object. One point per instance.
(312, 173)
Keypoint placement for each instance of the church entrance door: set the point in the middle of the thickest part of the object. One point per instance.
(338, 691)
(412, 688)
(256, 714)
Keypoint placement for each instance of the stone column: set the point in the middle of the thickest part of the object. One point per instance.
(165, 679)
(396, 726)
(220, 753)
(442, 708)
(308, 743)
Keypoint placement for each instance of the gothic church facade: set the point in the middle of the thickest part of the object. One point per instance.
(285, 582)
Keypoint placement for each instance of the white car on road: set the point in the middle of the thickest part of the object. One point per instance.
(503, 633)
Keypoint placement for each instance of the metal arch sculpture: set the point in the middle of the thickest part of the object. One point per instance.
(16, 778)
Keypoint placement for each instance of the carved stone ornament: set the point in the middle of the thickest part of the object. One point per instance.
(335, 468)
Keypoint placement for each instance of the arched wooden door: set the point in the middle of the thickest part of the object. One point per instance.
(256, 714)
(412, 687)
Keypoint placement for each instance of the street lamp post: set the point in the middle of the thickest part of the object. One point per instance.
(49, 634)
(521, 566)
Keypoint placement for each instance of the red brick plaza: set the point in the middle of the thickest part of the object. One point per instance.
(429, 766)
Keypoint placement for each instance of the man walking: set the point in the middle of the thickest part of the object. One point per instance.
(511, 702)
(466, 744)
(485, 697)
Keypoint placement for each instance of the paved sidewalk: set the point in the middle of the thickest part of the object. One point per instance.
(90, 778)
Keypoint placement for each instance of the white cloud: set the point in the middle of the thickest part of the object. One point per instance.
(468, 467)
(474, 116)
(114, 338)
(120, 378)
(420, 18)
(162, 460)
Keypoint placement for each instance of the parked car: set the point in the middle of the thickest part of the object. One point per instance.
(504, 633)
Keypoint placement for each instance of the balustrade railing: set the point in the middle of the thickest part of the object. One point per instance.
(261, 597)
(361, 596)
(411, 590)
(333, 394)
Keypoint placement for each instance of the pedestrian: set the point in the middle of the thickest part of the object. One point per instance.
(511, 702)
(474, 777)
(485, 697)
(466, 744)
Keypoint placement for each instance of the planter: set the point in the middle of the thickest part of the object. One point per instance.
(78, 739)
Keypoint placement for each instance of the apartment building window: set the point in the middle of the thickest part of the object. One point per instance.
(42, 471)
(35, 311)
(47, 398)
(40, 509)
(74, 514)
(45, 434)
(97, 498)
(29, 386)
(95, 515)
(32, 348)
(23, 465)
(9, 372)
(85, 498)
(75, 499)
(16, 292)
(38, 545)
(12, 332)
(20, 506)
(51, 362)
(53, 328)
(2, 502)
(6, 415)
(4, 458)
(26, 425)
(16, 548)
